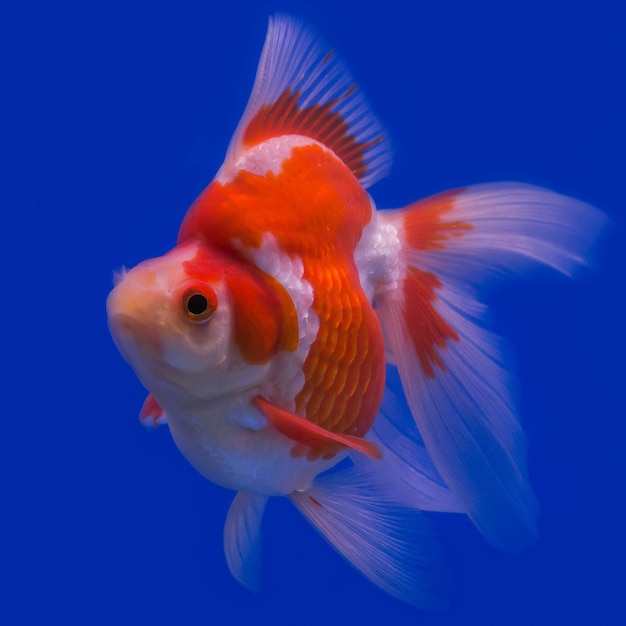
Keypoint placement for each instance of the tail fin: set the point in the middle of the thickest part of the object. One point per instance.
(392, 546)
(405, 471)
(451, 368)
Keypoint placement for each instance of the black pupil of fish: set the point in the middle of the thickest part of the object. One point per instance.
(197, 304)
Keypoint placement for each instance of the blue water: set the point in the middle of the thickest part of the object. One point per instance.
(115, 116)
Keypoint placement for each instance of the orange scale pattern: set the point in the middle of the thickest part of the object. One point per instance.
(316, 210)
(344, 371)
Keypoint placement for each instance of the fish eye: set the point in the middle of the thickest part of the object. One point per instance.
(199, 304)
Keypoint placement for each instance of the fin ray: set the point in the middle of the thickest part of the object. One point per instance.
(302, 88)
(242, 538)
(452, 369)
(405, 471)
(394, 547)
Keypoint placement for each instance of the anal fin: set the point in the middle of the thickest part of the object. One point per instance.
(396, 548)
(242, 538)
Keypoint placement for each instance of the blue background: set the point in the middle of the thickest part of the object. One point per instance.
(116, 115)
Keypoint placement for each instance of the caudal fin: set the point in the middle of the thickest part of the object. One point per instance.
(451, 368)
(404, 471)
(393, 546)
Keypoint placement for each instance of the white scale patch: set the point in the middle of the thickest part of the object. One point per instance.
(289, 379)
(377, 255)
(263, 158)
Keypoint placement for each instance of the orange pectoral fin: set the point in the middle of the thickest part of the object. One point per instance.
(151, 413)
(318, 440)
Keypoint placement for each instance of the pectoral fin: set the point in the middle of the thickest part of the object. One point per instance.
(151, 414)
(317, 441)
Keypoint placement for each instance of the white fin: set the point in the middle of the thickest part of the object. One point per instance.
(405, 471)
(394, 547)
(242, 538)
(516, 227)
(301, 88)
(451, 368)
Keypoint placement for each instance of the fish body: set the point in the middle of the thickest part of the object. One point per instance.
(270, 337)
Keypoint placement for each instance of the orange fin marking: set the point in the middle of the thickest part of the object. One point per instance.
(316, 502)
(427, 229)
(318, 121)
(429, 331)
(424, 223)
(321, 441)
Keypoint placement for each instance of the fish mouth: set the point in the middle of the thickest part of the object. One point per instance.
(128, 310)
(135, 339)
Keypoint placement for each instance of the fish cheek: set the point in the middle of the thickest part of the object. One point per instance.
(257, 321)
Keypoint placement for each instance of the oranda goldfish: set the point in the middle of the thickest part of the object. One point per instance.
(270, 337)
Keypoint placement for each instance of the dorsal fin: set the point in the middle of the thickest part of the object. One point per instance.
(301, 88)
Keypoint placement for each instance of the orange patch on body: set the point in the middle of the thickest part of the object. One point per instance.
(314, 207)
(316, 210)
(264, 322)
(343, 376)
(265, 319)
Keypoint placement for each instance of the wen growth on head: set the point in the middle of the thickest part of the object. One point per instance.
(266, 336)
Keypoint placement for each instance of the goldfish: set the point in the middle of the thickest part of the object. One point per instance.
(299, 342)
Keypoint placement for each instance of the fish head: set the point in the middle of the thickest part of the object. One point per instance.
(171, 317)
(198, 323)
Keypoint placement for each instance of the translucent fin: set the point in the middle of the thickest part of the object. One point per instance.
(405, 471)
(451, 368)
(394, 547)
(495, 229)
(242, 538)
(301, 88)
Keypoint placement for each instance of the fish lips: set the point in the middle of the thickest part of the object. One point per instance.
(137, 341)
